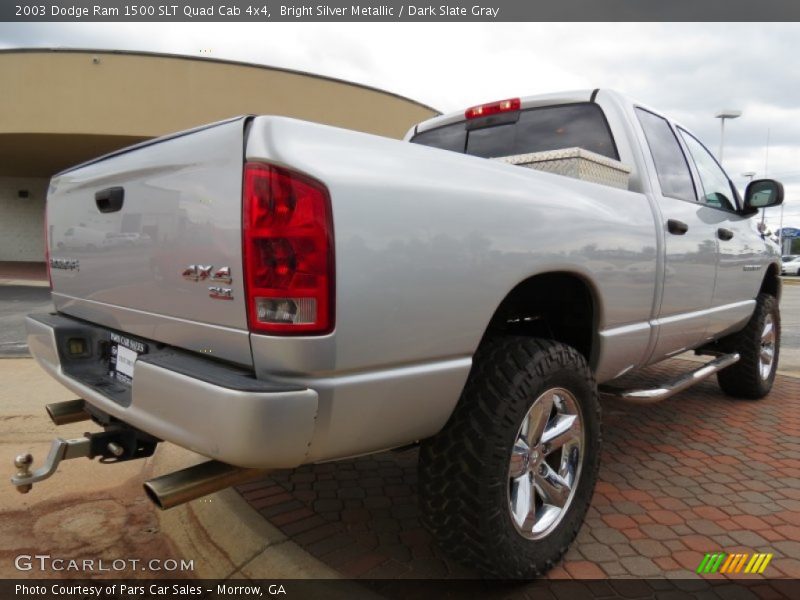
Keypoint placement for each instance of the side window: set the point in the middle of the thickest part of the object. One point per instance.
(717, 189)
(671, 166)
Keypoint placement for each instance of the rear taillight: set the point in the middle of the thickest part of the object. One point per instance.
(288, 252)
(484, 110)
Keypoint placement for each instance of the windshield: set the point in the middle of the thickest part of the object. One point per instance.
(533, 130)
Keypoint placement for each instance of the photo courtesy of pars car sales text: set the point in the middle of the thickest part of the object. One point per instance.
(381, 298)
(152, 590)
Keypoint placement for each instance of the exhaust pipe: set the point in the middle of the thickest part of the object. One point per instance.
(200, 480)
(70, 411)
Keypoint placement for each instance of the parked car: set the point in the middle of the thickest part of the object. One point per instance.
(791, 266)
(343, 294)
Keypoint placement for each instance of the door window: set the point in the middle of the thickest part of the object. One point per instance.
(671, 166)
(717, 190)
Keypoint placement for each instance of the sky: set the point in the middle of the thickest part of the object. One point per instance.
(688, 71)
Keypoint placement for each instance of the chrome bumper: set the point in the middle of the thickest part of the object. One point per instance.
(242, 427)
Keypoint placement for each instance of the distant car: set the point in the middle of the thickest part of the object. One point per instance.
(791, 267)
(789, 257)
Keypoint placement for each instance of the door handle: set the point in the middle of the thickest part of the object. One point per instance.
(677, 227)
(110, 200)
(724, 234)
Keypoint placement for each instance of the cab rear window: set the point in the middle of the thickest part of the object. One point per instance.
(536, 130)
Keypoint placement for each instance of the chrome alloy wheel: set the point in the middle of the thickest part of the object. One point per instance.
(546, 462)
(766, 354)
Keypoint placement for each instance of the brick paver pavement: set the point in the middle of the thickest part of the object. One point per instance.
(697, 473)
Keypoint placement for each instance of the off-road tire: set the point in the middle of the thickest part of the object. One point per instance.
(743, 379)
(463, 470)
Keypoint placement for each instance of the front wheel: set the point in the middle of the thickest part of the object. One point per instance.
(505, 486)
(758, 345)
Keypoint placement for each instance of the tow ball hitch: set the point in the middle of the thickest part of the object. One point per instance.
(117, 443)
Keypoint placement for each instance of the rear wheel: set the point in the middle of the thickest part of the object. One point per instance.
(758, 345)
(504, 487)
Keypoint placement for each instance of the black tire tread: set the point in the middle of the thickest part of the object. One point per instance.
(742, 379)
(452, 469)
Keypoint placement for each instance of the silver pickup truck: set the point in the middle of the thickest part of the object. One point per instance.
(270, 293)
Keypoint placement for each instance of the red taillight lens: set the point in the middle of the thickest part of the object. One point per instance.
(288, 252)
(484, 110)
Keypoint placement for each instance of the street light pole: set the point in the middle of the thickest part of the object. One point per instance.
(727, 113)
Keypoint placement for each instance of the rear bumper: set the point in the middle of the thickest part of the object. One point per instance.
(189, 401)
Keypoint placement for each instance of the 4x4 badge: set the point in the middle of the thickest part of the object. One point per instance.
(223, 275)
(197, 272)
(202, 272)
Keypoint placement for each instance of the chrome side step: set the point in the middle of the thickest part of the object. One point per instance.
(662, 392)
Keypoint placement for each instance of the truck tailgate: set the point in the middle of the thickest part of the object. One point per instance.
(136, 238)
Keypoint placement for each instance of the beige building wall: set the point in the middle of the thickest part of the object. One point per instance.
(62, 107)
(21, 222)
(105, 93)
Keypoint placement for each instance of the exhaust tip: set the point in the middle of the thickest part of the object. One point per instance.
(153, 495)
(174, 489)
(69, 411)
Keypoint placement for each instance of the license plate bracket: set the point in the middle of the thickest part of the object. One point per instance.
(124, 352)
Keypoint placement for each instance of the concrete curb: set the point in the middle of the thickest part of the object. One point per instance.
(227, 538)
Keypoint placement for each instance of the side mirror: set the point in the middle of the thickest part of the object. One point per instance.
(762, 193)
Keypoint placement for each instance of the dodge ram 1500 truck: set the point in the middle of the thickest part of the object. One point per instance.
(300, 293)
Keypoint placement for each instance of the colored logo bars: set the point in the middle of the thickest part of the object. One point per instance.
(721, 562)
